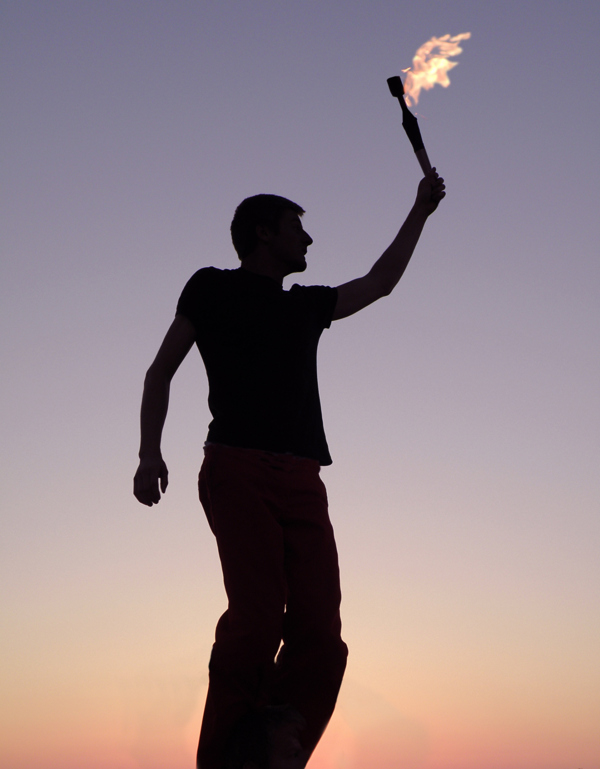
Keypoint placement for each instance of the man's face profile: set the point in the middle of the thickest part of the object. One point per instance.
(290, 242)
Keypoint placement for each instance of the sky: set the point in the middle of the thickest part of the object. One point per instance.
(462, 411)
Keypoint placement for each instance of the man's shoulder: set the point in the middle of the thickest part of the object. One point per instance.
(208, 279)
(210, 274)
(313, 289)
(314, 293)
(202, 290)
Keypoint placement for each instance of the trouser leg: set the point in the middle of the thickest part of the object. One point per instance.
(247, 637)
(276, 546)
(312, 660)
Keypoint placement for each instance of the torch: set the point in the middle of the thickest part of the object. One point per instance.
(410, 124)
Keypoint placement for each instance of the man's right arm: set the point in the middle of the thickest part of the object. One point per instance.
(389, 268)
(155, 402)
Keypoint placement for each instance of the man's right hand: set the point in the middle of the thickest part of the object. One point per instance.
(146, 480)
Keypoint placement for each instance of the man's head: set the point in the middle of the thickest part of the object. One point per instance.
(256, 215)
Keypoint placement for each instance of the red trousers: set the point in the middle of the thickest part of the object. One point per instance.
(269, 515)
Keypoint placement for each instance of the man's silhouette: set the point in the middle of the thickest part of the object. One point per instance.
(278, 646)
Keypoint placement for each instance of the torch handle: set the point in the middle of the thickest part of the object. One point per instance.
(410, 124)
(423, 160)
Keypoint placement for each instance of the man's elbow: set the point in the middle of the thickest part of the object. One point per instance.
(156, 376)
(381, 281)
(381, 286)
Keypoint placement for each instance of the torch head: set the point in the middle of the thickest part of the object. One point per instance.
(395, 86)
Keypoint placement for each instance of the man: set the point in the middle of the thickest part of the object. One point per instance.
(259, 483)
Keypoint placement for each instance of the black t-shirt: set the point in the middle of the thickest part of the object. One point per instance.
(259, 346)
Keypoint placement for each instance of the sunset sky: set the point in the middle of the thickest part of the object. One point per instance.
(462, 412)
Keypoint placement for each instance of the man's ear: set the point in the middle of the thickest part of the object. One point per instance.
(263, 233)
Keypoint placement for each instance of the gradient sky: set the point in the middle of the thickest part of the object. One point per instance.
(462, 412)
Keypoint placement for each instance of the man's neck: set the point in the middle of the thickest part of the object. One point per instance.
(259, 265)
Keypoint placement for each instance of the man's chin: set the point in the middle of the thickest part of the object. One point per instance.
(299, 265)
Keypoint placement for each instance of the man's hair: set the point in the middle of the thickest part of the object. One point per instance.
(259, 210)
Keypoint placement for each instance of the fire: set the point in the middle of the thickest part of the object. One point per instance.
(431, 65)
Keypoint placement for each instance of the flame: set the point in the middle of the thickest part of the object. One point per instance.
(431, 64)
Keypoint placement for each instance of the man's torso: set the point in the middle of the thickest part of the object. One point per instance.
(259, 346)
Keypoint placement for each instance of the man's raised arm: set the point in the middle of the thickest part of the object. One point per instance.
(155, 403)
(389, 268)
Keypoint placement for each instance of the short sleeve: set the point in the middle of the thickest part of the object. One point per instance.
(321, 300)
(194, 294)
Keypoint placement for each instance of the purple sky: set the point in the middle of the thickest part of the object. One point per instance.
(462, 412)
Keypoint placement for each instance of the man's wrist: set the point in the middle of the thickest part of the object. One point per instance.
(419, 213)
(146, 454)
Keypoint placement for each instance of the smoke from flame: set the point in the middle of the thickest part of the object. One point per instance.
(431, 64)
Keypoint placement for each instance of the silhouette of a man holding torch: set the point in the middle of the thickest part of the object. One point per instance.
(278, 658)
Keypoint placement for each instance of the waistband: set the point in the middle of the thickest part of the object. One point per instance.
(274, 456)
